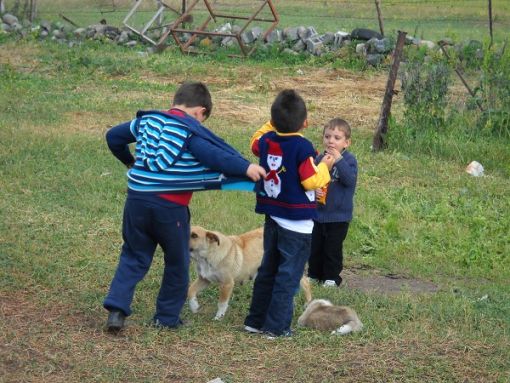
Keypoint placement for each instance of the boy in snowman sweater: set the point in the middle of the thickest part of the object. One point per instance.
(287, 198)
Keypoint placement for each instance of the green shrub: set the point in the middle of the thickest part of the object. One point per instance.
(433, 124)
(493, 93)
(425, 89)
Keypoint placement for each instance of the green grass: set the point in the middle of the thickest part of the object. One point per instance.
(61, 201)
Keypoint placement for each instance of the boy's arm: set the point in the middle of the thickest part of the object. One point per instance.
(217, 159)
(254, 142)
(118, 139)
(313, 176)
(221, 161)
(345, 170)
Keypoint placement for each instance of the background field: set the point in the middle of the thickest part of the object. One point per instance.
(431, 20)
(418, 216)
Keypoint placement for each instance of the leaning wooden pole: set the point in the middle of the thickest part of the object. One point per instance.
(379, 16)
(378, 142)
(456, 69)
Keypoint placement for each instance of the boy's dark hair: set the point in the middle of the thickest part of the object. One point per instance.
(288, 112)
(194, 94)
(340, 124)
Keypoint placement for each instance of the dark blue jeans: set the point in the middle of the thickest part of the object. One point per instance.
(285, 255)
(145, 225)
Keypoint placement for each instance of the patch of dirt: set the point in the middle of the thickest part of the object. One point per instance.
(374, 281)
(328, 93)
(23, 57)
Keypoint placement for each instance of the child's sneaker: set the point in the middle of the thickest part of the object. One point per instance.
(252, 330)
(285, 334)
(329, 283)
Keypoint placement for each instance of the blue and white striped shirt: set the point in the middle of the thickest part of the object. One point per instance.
(174, 153)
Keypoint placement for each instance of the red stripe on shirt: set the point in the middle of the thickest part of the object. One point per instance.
(178, 198)
(268, 201)
(307, 169)
(255, 148)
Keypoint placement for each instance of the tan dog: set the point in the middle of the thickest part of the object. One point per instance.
(321, 314)
(226, 260)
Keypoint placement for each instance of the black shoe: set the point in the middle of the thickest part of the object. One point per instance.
(115, 321)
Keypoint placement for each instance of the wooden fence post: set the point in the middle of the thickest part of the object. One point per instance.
(490, 22)
(33, 10)
(379, 16)
(378, 142)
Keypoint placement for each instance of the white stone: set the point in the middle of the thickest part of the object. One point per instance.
(475, 169)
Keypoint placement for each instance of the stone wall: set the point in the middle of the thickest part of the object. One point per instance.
(369, 44)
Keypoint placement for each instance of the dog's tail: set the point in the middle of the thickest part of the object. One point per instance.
(353, 325)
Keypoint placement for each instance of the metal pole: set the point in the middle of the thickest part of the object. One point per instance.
(382, 126)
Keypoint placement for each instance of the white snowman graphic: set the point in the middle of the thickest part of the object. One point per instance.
(273, 182)
(311, 195)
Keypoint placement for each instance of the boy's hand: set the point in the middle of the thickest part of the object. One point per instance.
(319, 193)
(255, 172)
(329, 160)
(334, 152)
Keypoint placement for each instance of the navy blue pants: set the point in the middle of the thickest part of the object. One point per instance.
(285, 255)
(145, 225)
(327, 259)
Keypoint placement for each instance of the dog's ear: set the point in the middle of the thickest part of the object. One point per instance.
(211, 237)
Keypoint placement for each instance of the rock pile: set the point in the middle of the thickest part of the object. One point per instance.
(293, 40)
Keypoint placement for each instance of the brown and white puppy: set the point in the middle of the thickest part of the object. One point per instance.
(321, 314)
(226, 260)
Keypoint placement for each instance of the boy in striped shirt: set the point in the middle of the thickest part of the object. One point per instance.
(174, 156)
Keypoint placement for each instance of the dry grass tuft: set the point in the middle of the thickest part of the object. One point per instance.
(22, 57)
(245, 104)
(329, 93)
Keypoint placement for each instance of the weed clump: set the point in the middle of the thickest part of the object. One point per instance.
(434, 122)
